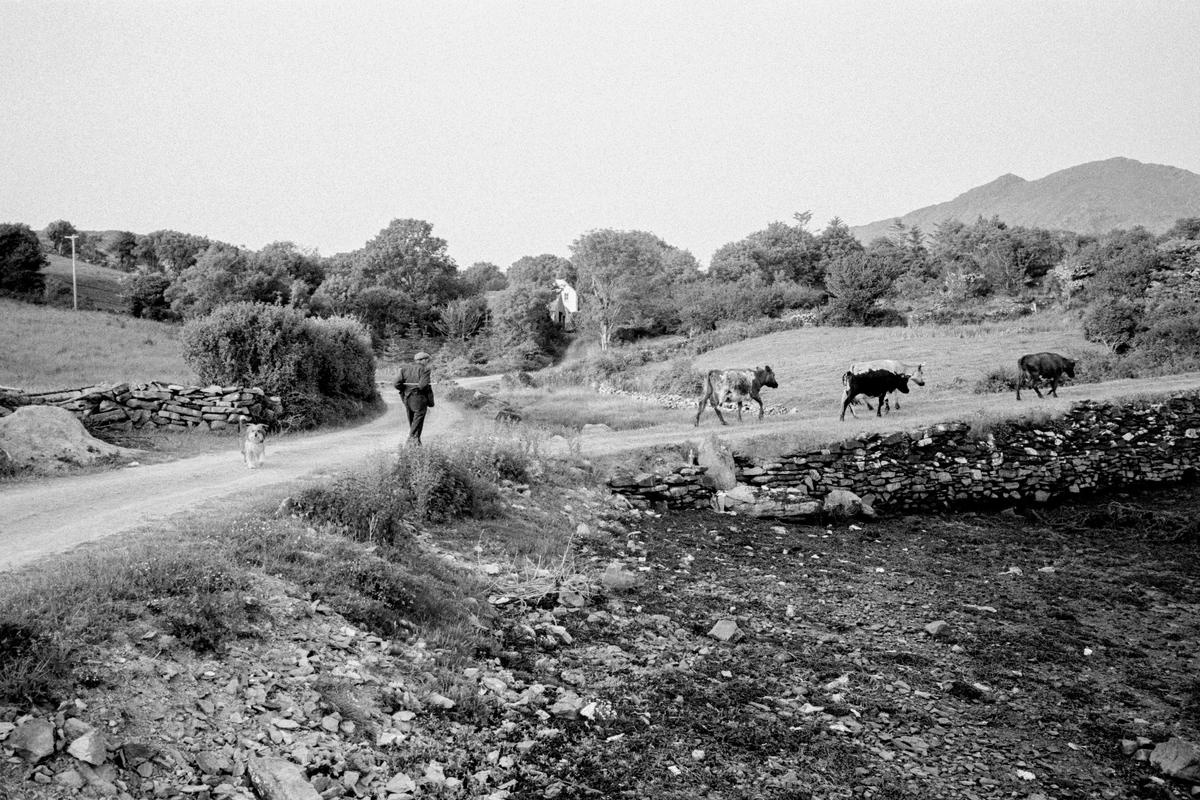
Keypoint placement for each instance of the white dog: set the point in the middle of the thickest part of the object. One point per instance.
(254, 445)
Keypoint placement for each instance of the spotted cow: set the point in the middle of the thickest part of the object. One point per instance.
(735, 386)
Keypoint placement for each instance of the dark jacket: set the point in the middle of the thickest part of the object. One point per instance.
(415, 377)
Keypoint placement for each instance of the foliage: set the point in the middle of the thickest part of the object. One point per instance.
(540, 271)
(482, 277)
(57, 232)
(170, 251)
(679, 377)
(621, 274)
(145, 295)
(310, 363)
(21, 260)
(1115, 324)
(856, 284)
(780, 252)
(385, 312)
(226, 274)
(520, 317)
(462, 319)
(121, 251)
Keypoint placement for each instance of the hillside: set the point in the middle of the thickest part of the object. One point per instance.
(1089, 198)
(99, 287)
(55, 348)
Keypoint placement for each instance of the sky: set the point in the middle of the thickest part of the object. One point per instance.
(515, 127)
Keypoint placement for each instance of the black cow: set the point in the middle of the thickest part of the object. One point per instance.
(735, 385)
(1033, 367)
(876, 383)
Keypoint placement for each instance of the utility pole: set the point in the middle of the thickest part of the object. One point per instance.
(74, 286)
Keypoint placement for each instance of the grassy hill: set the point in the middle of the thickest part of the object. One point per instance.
(48, 348)
(1089, 198)
(99, 287)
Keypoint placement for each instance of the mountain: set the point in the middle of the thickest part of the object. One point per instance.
(1095, 197)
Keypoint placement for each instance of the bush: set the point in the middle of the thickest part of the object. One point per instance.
(21, 260)
(1114, 323)
(680, 377)
(1000, 379)
(323, 369)
(145, 295)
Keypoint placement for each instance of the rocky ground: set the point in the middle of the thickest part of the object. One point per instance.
(1048, 655)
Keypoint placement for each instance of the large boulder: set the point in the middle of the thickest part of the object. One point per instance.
(51, 439)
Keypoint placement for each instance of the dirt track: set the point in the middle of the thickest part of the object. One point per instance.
(37, 519)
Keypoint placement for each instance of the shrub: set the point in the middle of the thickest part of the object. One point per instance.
(323, 369)
(21, 260)
(1172, 337)
(680, 377)
(145, 295)
(1000, 379)
(34, 666)
(1114, 323)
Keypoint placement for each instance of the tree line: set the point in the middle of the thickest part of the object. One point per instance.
(633, 283)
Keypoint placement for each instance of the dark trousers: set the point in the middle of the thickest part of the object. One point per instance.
(415, 404)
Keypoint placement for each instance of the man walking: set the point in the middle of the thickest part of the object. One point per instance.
(413, 385)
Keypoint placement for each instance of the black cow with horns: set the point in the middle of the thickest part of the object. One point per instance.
(875, 383)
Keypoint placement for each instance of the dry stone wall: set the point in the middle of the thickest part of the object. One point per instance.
(158, 404)
(1094, 447)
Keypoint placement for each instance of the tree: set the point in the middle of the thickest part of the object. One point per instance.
(124, 245)
(620, 275)
(286, 262)
(1115, 324)
(836, 241)
(145, 295)
(856, 283)
(227, 274)
(385, 312)
(171, 251)
(482, 277)
(460, 320)
(780, 252)
(1185, 228)
(520, 320)
(21, 260)
(541, 270)
(57, 232)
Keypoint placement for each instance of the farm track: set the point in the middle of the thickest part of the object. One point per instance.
(56, 514)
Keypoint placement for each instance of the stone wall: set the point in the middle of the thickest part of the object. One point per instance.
(159, 404)
(1093, 447)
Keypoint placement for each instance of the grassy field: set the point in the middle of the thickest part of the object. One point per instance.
(44, 348)
(809, 363)
(99, 287)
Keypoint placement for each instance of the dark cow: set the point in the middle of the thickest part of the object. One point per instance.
(876, 383)
(1033, 367)
(735, 386)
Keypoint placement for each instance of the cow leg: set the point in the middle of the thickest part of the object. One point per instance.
(1036, 389)
(1054, 386)
(1020, 381)
(895, 405)
(760, 405)
(846, 404)
(717, 408)
(739, 409)
(867, 403)
(879, 405)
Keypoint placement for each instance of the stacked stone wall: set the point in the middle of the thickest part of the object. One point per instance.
(1092, 448)
(156, 404)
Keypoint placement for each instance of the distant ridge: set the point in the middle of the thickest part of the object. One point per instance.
(1095, 197)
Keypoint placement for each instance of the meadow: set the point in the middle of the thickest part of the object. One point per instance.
(43, 348)
(809, 363)
(99, 288)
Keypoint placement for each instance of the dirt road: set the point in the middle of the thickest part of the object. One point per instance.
(50, 516)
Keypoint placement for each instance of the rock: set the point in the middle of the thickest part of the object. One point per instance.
(1178, 758)
(90, 747)
(844, 503)
(279, 779)
(33, 739)
(616, 577)
(938, 628)
(567, 705)
(213, 763)
(399, 783)
(594, 428)
(726, 630)
(715, 455)
(50, 439)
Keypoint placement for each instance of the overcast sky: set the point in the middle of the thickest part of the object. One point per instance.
(515, 127)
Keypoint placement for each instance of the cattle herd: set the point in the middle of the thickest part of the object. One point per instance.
(867, 380)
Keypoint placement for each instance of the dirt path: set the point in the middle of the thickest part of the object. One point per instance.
(37, 519)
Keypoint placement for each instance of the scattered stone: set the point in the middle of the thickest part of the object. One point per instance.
(726, 630)
(1177, 758)
(90, 747)
(400, 782)
(844, 503)
(33, 739)
(938, 628)
(279, 779)
(617, 578)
